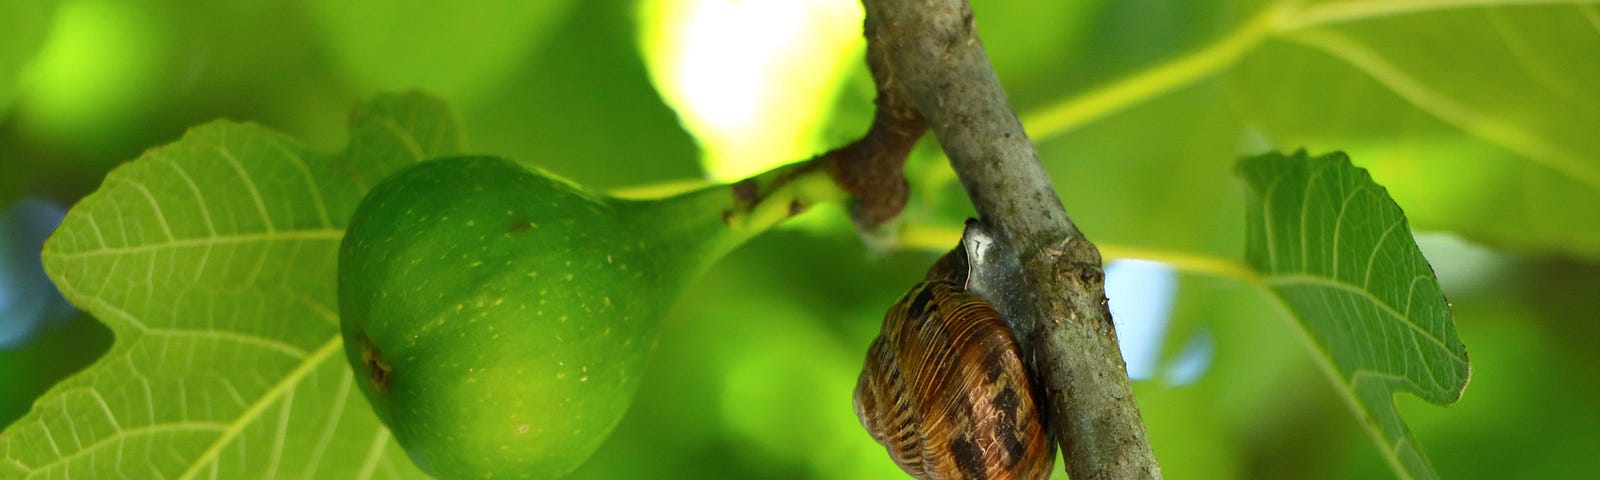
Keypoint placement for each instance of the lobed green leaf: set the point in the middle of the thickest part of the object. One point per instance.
(1332, 245)
(213, 261)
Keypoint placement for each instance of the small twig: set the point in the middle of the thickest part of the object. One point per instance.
(873, 168)
(870, 170)
(930, 54)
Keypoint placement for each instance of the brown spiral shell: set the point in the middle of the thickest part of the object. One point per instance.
(945, 389)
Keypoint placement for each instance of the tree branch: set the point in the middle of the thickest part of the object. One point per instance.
(930, 54)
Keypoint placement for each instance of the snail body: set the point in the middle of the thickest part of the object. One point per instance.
(945, 388)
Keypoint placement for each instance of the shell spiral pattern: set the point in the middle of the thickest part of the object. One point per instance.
(946, 391)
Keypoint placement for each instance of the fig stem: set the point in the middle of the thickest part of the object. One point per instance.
(781, 194)
(736, 212)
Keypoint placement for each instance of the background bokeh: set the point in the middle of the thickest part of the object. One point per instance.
(1480, 120)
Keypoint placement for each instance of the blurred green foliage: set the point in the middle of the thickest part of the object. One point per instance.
(25, 23)
(1478, 119)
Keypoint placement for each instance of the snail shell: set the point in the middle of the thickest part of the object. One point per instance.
(946, 390)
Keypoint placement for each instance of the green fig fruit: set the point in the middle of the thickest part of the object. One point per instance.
(498, 319)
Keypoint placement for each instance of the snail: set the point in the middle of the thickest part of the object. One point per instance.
(945, 388)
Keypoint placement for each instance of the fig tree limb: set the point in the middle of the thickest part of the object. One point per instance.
(930, 54)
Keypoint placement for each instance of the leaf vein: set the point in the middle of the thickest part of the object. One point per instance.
(230, 336)
(94, 225)
(1378, 247)
(274, 236)
(405, 138)
(1305, 216)
(161, 217)
(199, 198)
(1310, 280)
(1338, 224)
(72, 425)
(250, 186)
(121, 437)
(249, 415)
(331, 425)
(1489, 128)
(1330, 13)
(282, 433)
(374, 454)
(1266, 218)
(311, 183)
